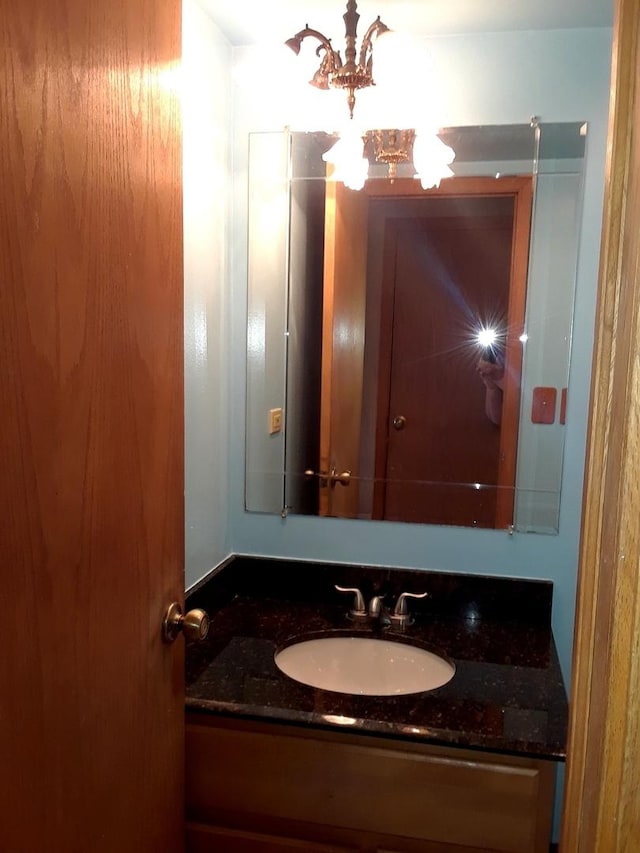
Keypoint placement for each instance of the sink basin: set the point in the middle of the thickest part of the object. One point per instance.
(365, 666)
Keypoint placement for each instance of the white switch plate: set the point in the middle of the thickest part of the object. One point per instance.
(275, 421)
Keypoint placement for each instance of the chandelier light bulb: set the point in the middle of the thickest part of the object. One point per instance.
(431, 159)
(350, 166)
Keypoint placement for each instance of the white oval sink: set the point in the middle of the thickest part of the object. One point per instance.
(364, 665)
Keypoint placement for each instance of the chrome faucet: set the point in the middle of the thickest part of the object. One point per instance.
(376, 608)
(401, 617)
(359, 611)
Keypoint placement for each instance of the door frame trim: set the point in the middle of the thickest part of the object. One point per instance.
(603, 763)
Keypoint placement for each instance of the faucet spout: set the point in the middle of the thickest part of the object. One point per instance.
(376, 607)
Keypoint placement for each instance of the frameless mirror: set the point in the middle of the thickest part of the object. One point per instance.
(408, 350)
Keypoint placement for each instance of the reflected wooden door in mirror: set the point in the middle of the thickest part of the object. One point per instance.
(403, 406)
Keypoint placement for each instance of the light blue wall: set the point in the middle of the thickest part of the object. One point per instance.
(206, 183)
(488, 79)
(496, 78)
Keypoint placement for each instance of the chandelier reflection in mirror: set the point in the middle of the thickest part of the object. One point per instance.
(388, 123)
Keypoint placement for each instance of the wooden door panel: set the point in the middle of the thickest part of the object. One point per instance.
(91, 428)
(343, 336)
(443, 296)
(601, 805)
(449, 278)
(356, 367)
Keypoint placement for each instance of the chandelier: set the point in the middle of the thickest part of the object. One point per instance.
(333, 72)
(377, 139)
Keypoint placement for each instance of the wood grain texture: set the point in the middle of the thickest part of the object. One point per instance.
(265, 779)
(602, 808)
(202, 838)
(343, 334)
(520, 189)
(91, 519)
(440, 270)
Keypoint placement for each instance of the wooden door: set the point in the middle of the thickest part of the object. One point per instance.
(446, 275)
(91, 437)
(355, 387)
(343, 335)
(601, 804)
(449, 277)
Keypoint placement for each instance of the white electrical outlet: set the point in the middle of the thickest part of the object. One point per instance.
(275, 421)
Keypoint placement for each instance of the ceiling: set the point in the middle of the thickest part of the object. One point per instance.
(258, 21)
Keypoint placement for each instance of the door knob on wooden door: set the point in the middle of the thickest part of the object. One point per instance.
(344, 477)
(399, 422)
(194, 624)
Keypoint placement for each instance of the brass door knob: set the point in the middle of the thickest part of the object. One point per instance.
(344, 477)
(194, 624)
(399, 422)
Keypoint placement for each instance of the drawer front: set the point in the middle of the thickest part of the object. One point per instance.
(220, 839)
(202, 838)
(449, 796)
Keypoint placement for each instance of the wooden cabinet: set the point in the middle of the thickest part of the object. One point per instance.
(261, 788)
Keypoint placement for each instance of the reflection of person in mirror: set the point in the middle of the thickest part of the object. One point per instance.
(492, 374)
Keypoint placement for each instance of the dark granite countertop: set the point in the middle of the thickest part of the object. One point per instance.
(507, 694)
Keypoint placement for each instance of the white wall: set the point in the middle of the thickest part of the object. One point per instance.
(495, 78)
(207, 181)
(266, 323)
(552, 270)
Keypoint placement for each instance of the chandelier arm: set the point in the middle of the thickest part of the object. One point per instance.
(331, 55)
(376, 28)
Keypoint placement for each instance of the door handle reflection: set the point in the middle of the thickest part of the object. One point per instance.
(343, 478)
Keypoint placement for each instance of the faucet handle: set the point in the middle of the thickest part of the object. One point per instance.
(401, 608)
(359, 608)
(401, 615)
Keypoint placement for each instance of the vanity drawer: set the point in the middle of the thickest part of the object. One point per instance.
(358, 790)
(219, 839)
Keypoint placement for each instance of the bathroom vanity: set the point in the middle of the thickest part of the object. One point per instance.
(275, 765)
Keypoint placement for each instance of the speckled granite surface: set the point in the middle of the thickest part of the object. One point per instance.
(507, 694)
